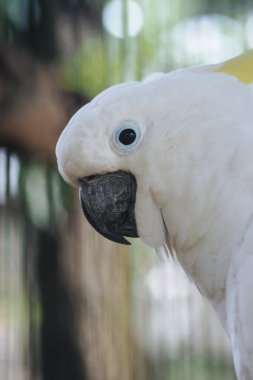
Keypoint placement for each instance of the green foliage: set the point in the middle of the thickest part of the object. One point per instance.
(197, 367)
(86, 70)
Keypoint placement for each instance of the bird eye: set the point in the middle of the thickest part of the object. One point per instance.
(126, 137)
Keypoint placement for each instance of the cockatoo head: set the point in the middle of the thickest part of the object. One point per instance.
(121, 146)
(103, 150)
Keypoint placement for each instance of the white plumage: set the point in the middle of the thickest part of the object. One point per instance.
(194, 171)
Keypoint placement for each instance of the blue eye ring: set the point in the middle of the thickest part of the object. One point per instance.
(126, 137)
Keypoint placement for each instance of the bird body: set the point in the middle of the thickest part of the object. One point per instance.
(186, 137)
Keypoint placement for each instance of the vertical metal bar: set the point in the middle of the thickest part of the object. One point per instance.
(7, 179)
(125, 41)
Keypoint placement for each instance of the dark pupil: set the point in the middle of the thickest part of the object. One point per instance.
(127, 136)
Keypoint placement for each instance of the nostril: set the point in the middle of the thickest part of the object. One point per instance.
(91, 177)
(87, 178)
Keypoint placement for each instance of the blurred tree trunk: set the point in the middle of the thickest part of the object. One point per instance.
(34, 108)
(61, 355)
(101, 271)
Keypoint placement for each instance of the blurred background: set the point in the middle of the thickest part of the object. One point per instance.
(73, 305)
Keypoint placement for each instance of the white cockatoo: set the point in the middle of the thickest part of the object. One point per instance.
(170, 160)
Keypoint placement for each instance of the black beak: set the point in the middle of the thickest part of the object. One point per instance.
(108, 202)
